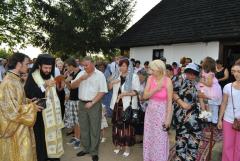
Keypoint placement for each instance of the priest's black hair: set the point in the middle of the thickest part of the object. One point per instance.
(44, 59)
(15, 58)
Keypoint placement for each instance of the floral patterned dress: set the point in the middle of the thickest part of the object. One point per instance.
(188, 125)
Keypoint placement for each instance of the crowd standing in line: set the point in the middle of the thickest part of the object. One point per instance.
(40, 97)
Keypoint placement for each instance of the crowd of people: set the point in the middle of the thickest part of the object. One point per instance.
(40, 97)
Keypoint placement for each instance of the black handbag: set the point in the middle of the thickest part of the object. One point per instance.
(128, 113)
(138, 115)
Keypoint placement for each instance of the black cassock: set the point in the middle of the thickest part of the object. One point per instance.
(32, 90)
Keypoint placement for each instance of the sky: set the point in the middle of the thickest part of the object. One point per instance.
(141, 8)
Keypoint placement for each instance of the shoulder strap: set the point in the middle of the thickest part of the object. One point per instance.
(232, 101)
(131, 101)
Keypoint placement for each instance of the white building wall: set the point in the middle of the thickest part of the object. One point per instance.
(196, 51)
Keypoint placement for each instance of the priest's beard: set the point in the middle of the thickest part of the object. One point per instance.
(45, 76)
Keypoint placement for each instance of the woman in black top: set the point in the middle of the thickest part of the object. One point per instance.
(221, 74)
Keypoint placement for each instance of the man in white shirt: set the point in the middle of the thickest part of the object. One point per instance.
(92, 87)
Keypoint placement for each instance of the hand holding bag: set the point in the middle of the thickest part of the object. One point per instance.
(137, 114)
(128, 113)
(236, 123)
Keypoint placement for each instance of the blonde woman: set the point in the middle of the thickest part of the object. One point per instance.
(60, 66)
(158, 116)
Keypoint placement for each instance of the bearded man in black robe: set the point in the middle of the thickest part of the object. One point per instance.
(47, 129)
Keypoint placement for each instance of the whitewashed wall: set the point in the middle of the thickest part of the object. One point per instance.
(196, 51)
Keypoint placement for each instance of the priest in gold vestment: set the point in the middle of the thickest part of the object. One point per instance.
(17, 116)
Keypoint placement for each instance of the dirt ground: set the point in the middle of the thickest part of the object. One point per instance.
(106, 150)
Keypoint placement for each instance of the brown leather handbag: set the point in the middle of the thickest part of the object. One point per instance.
(236, 122)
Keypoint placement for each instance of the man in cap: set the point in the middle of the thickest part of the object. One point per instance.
(41, 85)
(17, 114)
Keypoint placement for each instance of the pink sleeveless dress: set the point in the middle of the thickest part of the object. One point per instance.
(156, 142)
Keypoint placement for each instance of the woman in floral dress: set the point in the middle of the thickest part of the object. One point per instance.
(186, 114)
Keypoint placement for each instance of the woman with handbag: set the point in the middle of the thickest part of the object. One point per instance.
(186, 114)
(124, 99)
(229, 117)
(158, 114)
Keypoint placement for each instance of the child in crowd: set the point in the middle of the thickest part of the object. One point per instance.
(210, 87)
(176, 69)
(104, 124)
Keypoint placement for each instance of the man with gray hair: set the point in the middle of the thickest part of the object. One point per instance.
(92, 86)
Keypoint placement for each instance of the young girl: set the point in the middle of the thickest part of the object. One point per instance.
(210, 87)
(104, 124)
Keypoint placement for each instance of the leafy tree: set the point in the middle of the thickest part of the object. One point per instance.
(80, 26)
(15, 22)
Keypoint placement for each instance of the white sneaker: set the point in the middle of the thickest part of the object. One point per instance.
(76, 145)
(126, 154)
(72, 141)
(116, 151)
(103, 140)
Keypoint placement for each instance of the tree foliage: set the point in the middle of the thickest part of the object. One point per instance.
(79, 26)
(15, 22)
(64, 27)
(5, 54)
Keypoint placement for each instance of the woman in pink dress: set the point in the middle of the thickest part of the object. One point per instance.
(158, 116)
